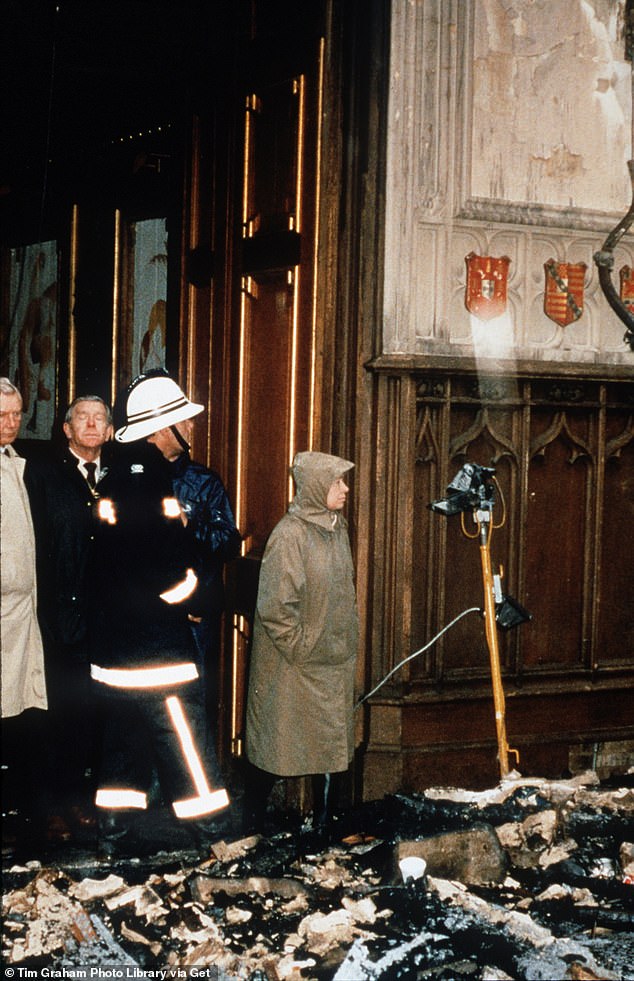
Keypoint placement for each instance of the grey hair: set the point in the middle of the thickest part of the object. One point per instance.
(8, 388)
(88, 398)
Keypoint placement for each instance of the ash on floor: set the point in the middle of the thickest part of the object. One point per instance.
(533, 879)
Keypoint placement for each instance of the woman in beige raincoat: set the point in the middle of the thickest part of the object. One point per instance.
(301, 686)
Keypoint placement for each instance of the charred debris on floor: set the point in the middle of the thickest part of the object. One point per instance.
(532, 879)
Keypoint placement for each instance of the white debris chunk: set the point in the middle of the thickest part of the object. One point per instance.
(146, 902)
(228, 851)
(235, 915)
(329, 874)
(89, 889)
(564, 891)
(540, 828)
(558, 853)
(621, 800)
(362, 910)
(510, 835)
(322, 931)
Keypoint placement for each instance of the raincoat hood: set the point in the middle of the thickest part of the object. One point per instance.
(314, 473)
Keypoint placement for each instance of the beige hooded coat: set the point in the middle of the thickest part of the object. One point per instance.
(23, 683)
(301, 687)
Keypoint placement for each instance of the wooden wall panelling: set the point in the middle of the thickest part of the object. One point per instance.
(465, 431)
(394, 533)
(429, 541)
(389, 637)
(348, 292)
(561, 476)
(563, 452)
(217, 248)
(548, 465)
(614, 637)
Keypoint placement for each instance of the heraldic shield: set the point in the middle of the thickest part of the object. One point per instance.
(485, 295)
(626, 276)
(563, 293)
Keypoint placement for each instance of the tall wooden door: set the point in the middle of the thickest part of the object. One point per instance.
(278, 374)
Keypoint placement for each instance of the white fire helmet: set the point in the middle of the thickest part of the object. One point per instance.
(154, 402)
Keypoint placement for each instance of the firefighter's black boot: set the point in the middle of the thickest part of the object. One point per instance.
(115, 834)
(204, 832)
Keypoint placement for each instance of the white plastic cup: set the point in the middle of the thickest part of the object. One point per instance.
(412, 867)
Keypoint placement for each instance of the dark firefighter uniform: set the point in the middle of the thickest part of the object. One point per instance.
(140, 589)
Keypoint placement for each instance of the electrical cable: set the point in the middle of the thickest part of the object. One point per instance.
(472, 609)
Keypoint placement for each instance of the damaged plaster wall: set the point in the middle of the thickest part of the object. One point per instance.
(509, 133)
(551, 105)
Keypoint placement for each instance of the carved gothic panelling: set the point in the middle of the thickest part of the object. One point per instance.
(614, 639)
(561, 456)
(563, 453)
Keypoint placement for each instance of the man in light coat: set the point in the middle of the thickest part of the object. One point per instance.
(22, 664)
(301, 688)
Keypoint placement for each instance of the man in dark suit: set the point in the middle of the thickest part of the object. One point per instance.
(68, 531)
(88, 429)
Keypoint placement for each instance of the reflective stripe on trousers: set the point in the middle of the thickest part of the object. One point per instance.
(140, 717)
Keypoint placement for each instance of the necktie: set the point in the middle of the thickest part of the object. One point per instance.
(90, 469)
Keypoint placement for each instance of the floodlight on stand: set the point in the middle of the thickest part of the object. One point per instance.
(472, 489)
(454, 504)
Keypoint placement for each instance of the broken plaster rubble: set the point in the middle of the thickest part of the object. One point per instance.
(519, 896)
(520, 925)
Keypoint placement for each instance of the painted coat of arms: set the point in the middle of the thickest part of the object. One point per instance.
(487, 275)
(563, 292)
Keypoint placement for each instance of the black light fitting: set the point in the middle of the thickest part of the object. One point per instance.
(470, 489)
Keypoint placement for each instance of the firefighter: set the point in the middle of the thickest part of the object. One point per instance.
(204, 500)
(141, 587)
